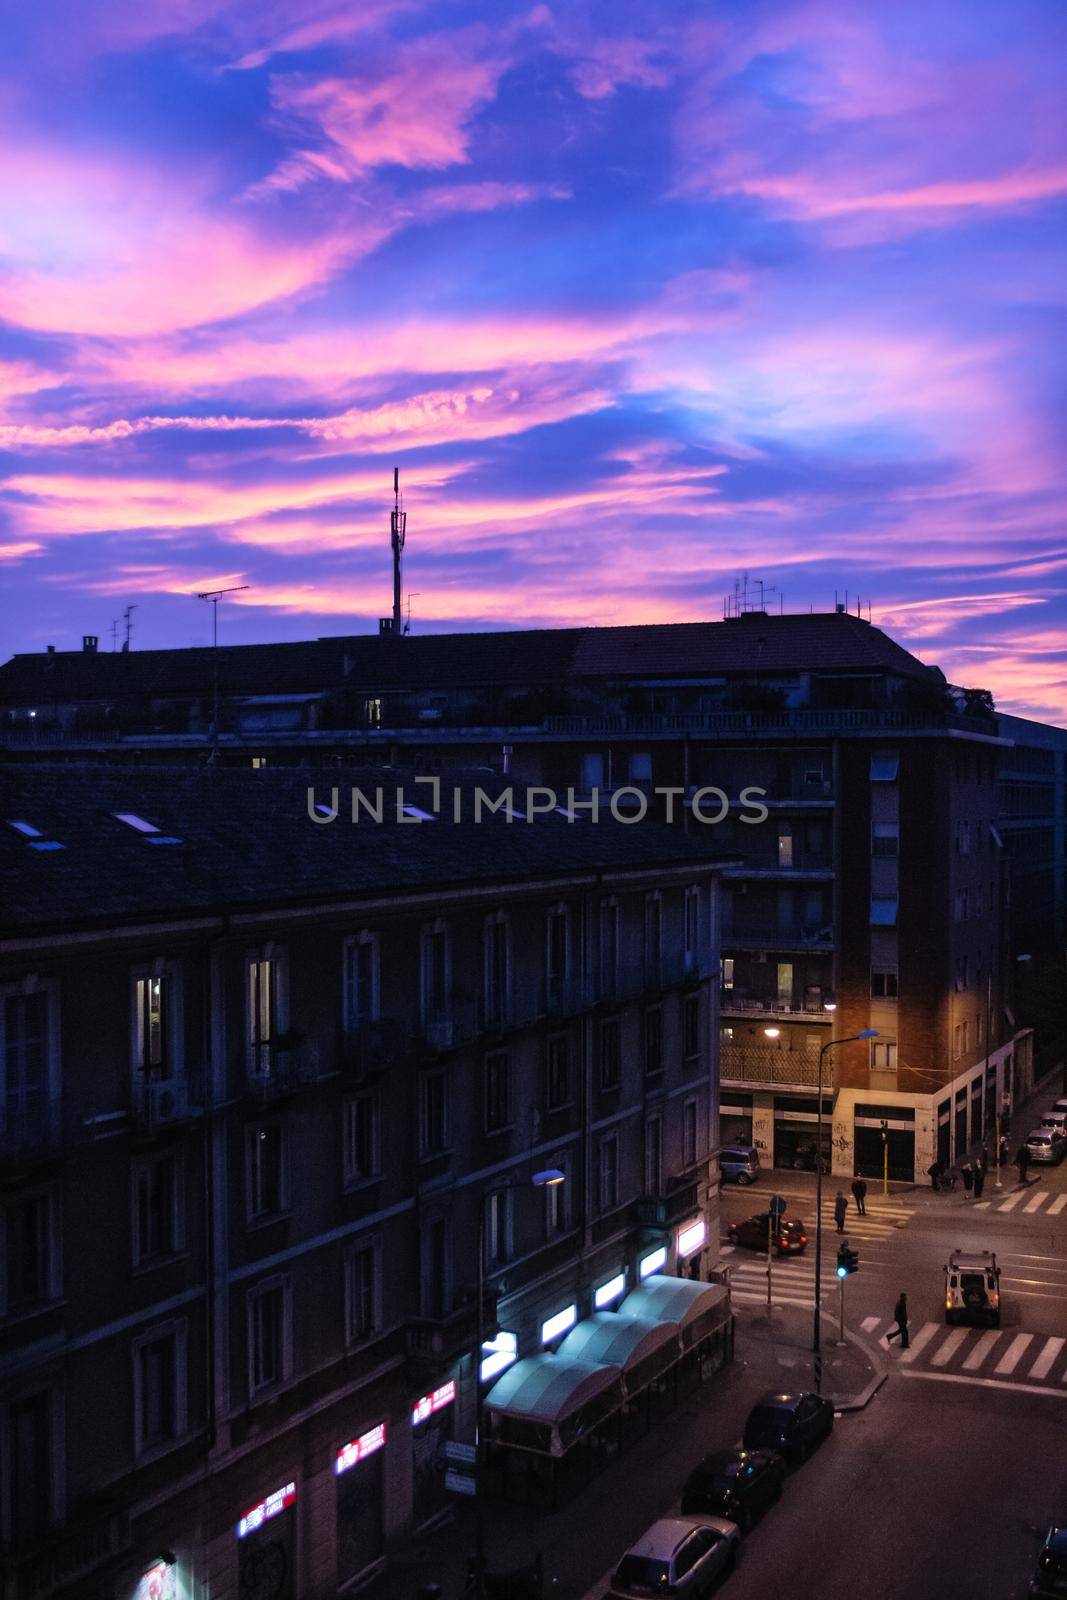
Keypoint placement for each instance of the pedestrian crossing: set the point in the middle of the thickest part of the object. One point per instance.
(793, 1277)
(1051, 1205)
(994, 1357)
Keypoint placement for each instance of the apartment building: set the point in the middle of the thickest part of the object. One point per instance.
(877, 883)
(269, 1080)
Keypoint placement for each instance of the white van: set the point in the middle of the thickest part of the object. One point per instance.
(972, 1287)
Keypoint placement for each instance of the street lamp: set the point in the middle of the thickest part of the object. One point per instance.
(864, 1033)
(548, 1178)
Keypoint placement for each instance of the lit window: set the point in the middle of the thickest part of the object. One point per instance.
(883, 911)
(558, 1324)
(26, 829)
(132, 820)
(609, 1292)
(654, 1262)
(884, 766)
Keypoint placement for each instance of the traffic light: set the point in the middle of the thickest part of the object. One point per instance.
(847, 1261)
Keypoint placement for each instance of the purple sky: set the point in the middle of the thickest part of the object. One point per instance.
(639, 296)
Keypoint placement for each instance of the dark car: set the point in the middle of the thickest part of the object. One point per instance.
(790, 1237)
(1049, 1581)
(793, 1424)
(737, 1484)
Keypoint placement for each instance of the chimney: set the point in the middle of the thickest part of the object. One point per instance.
(89, 643)
(51, 649)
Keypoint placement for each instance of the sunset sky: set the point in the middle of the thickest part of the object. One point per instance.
(639, 296)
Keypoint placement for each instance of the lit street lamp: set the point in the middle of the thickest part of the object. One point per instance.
(864, 1033)
(546, 1179)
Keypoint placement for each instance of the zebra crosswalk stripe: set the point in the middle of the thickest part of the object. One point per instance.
(981, 1350)
(1011, 1357)
(947, 1349)
(1012, 1201)
(1043, 1365)
(920, 1341)
(1036, 1202)
(1057, 1205)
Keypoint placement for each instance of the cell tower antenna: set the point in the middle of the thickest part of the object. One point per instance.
(214, 595)
(398, 527)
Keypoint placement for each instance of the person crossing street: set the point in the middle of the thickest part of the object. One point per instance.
(859, 1194)
(900, 1312)
(840, 1211)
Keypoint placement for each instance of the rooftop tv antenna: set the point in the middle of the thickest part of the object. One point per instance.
(114, 633)
(398, 527)
(128, 618)
(215, 595)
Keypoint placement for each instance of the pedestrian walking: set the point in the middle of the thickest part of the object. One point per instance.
(968, 1177)
(933, 1172)
(840, 1211)
(859, 1194)
(983, 1159)
(1022, 1161)
(900, 1312)
(979, 1180)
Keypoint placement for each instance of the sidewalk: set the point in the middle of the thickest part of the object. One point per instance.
(582, 1540)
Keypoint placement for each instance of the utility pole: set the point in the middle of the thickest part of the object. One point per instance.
(214, 595)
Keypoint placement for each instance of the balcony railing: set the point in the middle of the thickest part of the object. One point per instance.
(756, 1063)
(663, 1211)
(778, 936)
(748, 1005)
(281, 1070)
(30, 1128)
(806, 720)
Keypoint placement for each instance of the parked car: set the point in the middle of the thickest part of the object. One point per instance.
(677, 1556)
(972, 1287)
(737, 1483)
(739, 1163)
(1060, 1104)
(1046, 1144)
(1055, 1119)
(790, 1238)
(792, 1424)
(1049, 1581)
(804, 1157)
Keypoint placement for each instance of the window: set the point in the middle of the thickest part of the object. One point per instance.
(885, 839)
(691, 1026)
(609, 1053)
(883, 911)
(557, 1199)
(690, 1141)
(785, 849)
(556, 957)
(692, 924)
(497, 1091)
(979, 1027)
(884, 765)
(31, 1467)
(592, 772)
(269, 1335)
(436, 1268)
(978, 902)
(361, 981)
(159, 1388)
(653, 1034)
(557, 1073)
(29, 1252)
(262, 1013)
(653, 1155)
(883, 1055)
(498, 1245)
(727, 972)
(963, 837)
(609, 1172)
(653, 938)
(151, 1028)
(360, 1126)
(24, 1089)
(434, 975)
(497, 971)
(609, 947)
(965, 1039)
(884, 983)
(640, 766)
(363, 1315)
(267, 1179)
(158, 1220)
(433, 1112)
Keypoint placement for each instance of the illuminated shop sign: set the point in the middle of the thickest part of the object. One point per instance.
(692, 1238)
(655, 1262)
(610, 1291)
(275, 1503)
(430, 1403)
(558, 1324)
(359, 1449)
(498, 1354)
(160, 1582)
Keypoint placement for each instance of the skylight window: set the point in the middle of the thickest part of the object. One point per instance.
(418, 813)
(132, 820)
(27, 829)
(46, 844)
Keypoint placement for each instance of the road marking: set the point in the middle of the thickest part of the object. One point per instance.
(948, 1349)
(1010, 1359)
(727, 1249)
(1012, 1201)
(921, 1339)
(870, 1323)
(981, 1350)
(1043, 1365)
(982, 1205)
(984, 1383)
(1057, 1205)
(1037, 1202)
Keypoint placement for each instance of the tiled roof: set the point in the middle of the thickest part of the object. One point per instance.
(245, 839)
(756, 642)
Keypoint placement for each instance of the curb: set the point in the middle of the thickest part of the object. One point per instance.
(880, 1372)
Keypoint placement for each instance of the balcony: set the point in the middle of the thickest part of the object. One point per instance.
(156, 1106)
(663, 1211)
(807, 721)
(745, 1005)
(280, 1070)
(766, 1064)
(432, 1344)
(30, 1128)
(778, 936)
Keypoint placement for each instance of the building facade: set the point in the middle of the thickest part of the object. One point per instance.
(268, 1081)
